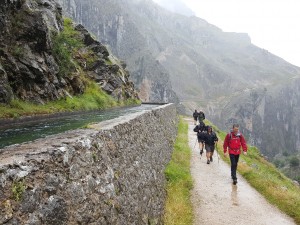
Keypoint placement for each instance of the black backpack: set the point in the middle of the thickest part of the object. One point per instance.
(201, 115)
(200, 127)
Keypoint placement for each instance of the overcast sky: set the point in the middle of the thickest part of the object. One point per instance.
(272, 24)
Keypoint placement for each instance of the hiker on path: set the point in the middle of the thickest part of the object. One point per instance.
(195, 115)
(201, 116)
(201, 131)
(233, 142)
(210, 140)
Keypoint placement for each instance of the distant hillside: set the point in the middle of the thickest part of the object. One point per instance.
(221, 72)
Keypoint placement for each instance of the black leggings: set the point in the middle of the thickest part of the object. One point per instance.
(234, 159)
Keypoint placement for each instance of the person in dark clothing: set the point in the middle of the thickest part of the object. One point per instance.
(201, 131)
(201, 116)
(210, 140)
(233, 142)
(195, 115)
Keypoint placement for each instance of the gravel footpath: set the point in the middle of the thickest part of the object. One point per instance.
(217, 201)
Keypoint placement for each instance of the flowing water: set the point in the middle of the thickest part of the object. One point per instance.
(29, 131)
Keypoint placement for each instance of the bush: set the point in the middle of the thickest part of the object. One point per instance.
(18, 189)
(65, 44)
(279, 163)
(285, 154)
(294, 162)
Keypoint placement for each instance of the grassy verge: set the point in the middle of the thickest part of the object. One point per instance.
(266, 179)
(179, 181)
(93, 98)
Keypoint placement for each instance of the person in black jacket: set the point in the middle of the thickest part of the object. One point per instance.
(201, 116)
(210, 140)
(195, 115)
(201, 131)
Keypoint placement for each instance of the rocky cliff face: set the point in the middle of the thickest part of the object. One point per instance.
(114, 24)
(270, 118)
(39, 63)
(281, 121)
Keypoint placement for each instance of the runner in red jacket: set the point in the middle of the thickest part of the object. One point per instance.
(233, 142)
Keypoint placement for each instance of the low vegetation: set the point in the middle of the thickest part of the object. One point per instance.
(289, 164)
(179, 181)
(65, 45)
(266, 179)
(18, 188)
(93, 98)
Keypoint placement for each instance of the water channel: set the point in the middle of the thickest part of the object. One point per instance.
(32, 130)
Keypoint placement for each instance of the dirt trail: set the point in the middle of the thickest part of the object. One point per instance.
(216, 201)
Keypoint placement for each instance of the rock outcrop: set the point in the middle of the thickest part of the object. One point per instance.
(112, 173)
(38, 65)
(112, 22)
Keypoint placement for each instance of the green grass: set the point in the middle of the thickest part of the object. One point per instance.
(93, 98)
(178, 208)
(266, 179)
(18, 188)
(65, 45)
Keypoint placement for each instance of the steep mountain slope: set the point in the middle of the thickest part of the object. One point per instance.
(43, 58)
(116, 28)
(269, 117)
(189, 48)
(204, 56)
(221, 72)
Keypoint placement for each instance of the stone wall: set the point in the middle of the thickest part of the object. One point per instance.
(109, 173)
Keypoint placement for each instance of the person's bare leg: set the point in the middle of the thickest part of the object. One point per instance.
(201, 147)
(208, 155)
(211, 155)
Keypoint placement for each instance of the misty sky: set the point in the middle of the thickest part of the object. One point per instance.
(272, 24)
